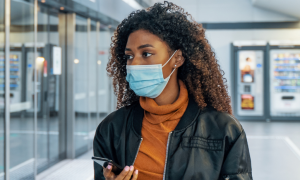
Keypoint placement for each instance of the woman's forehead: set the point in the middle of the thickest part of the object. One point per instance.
(141, 37)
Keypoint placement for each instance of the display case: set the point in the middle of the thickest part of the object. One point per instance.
(285, 82)
(14, 76)
(250, 83)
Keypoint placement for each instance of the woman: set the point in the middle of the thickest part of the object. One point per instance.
(174, 119)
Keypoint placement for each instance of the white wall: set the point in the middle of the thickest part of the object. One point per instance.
(289, 7)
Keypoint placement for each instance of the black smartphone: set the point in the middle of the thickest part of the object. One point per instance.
(104, 162)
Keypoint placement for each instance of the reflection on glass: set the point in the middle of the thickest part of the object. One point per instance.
(2, 81)
(48, 95)
(81, 106)
(103, 80)
(93, 80)
(21, 89)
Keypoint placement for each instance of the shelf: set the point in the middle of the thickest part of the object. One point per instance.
(10, 59)
(16, 65)
(287, 64)
(287, 87)
(289, 59)
(11, 76)
(285, 77)
(287, 70)
(11, 69)
(11, 85)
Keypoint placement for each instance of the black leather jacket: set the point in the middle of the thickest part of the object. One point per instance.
(206, 144)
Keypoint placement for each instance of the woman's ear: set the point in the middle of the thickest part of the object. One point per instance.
(179, 59)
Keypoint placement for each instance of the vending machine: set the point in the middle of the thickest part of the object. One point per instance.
(248, 77)
(284, 81)
(266, 80)
(15, 74)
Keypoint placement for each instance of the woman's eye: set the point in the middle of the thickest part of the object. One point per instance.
(127, 57)
(147, 54)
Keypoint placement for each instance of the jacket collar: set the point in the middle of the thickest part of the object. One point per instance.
(191, 112)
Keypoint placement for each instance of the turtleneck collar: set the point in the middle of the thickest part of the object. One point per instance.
(156, 114)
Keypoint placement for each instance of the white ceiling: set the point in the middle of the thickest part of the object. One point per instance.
(215, 11)
(289, 7)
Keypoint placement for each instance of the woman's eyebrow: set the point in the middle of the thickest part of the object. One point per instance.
(145, 45)
(140, 47)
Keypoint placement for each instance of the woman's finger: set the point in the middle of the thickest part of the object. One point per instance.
(123, 174)
(107, 173)
(128, 176)
(135, 175)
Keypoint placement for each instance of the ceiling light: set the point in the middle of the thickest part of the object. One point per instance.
(133, 4)
(40, 59)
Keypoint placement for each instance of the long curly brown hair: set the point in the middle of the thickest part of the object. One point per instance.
(200, 72)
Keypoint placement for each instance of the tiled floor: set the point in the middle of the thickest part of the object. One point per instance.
(80, 168)
(274, 150)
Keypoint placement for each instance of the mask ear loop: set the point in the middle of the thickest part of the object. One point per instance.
(169, 59)
(167, 63)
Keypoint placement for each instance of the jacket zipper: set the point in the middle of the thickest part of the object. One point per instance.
(137, 151)
(226, 177)
(166, 155)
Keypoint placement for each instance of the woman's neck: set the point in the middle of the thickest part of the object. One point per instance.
(170, 93)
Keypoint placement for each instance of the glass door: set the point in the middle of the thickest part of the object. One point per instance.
(93, 79)
(22, 90)
(81, 94)
(2, 83)
(104, 87)
(48, 80)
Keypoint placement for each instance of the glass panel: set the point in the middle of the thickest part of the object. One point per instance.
(2, 81)
(53, 89)
(48, 120)
(93, 80)
(81, 87)
(103, 84)
(22, 89)
(42, 136)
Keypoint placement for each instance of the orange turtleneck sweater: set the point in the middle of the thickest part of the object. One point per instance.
(158, 121)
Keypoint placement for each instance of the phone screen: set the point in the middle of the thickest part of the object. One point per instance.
(101, 162)
(117, 169)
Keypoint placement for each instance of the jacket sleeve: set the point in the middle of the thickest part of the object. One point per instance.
(237, 162)
(99, 147)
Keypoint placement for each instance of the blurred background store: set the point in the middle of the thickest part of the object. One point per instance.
(54, 90)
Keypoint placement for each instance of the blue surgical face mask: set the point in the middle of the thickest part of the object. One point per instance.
(147, 80)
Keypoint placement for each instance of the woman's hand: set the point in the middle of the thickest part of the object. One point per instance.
(124, 175)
